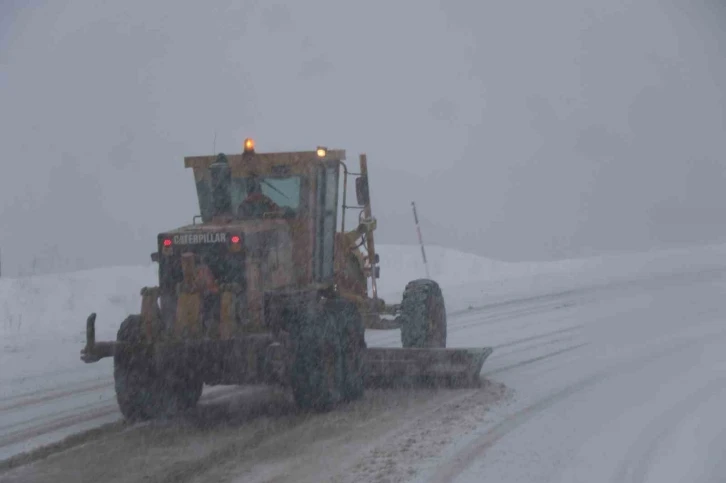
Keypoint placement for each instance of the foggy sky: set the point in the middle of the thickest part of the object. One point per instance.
(523, 130)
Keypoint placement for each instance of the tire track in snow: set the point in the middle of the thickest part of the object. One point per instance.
(76, 416)
(56, 424)
(539, 336)
(525, 362)
(43, 396)
(517, 301)
(508, 317)
(672, 276)
(42, 375)
(642, 454)
(465, 457)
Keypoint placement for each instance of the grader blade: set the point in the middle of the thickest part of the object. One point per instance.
(431, 366)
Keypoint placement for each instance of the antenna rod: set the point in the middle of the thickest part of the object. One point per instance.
(420, 239)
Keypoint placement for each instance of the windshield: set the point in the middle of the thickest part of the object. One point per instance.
(282, 191)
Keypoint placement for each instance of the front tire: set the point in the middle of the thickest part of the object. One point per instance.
(141, 391)
(423, 315)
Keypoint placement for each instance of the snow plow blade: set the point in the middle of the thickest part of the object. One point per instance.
(386, 367)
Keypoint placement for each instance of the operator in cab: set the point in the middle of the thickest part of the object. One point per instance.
(256, 204)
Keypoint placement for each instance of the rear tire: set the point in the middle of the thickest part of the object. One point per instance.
(317, 368)
(423, 315)
(350, 322)
(142, 393)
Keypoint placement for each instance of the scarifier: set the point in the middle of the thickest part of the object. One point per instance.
(265, 290)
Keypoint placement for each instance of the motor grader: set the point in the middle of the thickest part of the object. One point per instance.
(264, 289)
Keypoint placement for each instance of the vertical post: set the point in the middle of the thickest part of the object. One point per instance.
(345, 197)
(420, 239)
(370, 245)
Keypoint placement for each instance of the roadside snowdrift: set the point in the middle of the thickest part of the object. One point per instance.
(488, 281)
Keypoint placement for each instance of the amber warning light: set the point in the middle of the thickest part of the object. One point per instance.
(249, 145)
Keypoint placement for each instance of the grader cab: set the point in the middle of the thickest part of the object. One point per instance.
(266, 289)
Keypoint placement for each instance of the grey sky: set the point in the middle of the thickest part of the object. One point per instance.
(524, 130)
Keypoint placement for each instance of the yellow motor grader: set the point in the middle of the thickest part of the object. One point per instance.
(264, 288)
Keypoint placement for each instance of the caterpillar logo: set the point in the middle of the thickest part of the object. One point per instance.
(199, 238)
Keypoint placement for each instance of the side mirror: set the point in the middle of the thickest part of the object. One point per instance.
(361, 190)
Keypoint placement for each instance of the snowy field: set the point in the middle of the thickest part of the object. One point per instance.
(604, 369)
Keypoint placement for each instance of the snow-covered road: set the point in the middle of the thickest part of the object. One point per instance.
(613, 378)
(641, 401)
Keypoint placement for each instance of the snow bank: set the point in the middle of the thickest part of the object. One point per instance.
(471, 280)
(56, 306)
